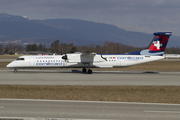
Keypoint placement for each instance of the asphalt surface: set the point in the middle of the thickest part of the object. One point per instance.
(87, 110)
(67, 77)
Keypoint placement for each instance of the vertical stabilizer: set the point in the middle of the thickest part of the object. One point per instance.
(160, 41)
(157, 45)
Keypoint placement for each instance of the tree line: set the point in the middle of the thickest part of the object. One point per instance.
(61, 48)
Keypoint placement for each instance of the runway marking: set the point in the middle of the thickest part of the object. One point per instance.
(149, 111)
(105, 102)
(39, 118)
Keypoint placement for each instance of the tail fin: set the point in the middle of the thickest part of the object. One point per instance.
(159, 42)
(157, 46)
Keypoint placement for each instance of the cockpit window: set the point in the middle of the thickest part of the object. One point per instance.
(20, 59)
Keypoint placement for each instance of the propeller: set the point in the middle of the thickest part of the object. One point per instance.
(65, 57)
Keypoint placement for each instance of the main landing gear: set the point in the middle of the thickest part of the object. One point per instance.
(84, 70)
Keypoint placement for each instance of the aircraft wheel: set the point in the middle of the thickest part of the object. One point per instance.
(90, 71)
(84, 70)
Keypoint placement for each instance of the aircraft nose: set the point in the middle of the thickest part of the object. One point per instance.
(9, 65)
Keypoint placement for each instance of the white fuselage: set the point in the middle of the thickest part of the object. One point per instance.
(77, 61)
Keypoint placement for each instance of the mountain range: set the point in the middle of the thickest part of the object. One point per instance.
(23, 30)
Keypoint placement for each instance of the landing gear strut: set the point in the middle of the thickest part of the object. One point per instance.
(15, 70)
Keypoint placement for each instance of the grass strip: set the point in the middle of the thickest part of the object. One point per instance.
(146, 94)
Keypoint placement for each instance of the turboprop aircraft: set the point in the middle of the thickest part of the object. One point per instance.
(86, 61)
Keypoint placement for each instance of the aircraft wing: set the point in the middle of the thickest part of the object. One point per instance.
(85, 58)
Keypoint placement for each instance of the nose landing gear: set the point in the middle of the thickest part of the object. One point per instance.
(15, 70)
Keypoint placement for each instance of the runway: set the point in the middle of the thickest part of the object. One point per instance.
(70, 110)
(67, 77)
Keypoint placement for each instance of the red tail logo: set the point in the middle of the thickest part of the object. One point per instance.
(159, 43)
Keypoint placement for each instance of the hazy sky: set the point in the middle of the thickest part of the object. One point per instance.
(133, 15)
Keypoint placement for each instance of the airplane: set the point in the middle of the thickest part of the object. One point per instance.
(86, 61)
